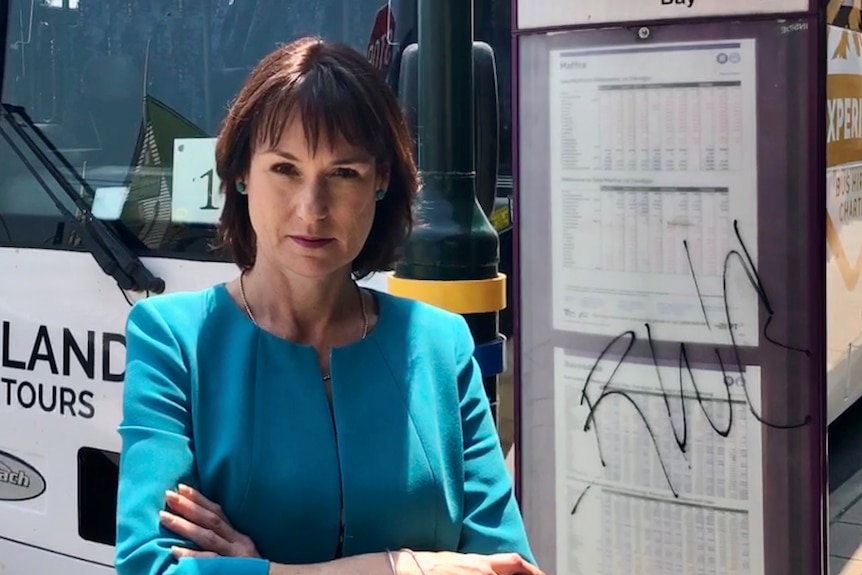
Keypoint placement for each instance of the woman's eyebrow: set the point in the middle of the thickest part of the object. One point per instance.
(284, 154)
(355, 158)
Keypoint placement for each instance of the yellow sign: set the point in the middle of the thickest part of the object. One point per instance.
(844, 148)
(843, 200)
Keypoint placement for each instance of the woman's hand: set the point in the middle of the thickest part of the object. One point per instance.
(203, 522)
(447, 563)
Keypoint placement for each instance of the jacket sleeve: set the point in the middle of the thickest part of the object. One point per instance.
(492, 520)
(158, 453)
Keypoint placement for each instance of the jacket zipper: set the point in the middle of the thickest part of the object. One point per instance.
(339, 549)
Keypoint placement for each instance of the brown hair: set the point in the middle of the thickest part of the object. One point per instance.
(336, 92)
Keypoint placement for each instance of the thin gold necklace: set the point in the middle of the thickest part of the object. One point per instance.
(254, 321)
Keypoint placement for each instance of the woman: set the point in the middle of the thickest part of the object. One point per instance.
(290, 422)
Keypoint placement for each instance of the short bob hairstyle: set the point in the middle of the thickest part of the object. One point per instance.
(337, 93)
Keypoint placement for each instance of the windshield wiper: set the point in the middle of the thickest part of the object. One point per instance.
(114, 257)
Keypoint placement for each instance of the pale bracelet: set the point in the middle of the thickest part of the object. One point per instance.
(416, 559)
(408, 551)
(391, 562)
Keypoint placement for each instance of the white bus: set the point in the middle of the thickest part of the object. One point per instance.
(108, 195)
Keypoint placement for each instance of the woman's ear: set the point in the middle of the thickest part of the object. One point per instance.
(383, 177)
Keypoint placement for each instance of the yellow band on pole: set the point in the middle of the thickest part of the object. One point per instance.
(457, 296)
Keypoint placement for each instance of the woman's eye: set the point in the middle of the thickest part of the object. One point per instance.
(285, 169)
(345, 173)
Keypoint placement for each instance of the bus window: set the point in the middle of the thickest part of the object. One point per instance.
(29, 216)
(126, 97)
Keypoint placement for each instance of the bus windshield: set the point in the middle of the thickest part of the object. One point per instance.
(126, 96)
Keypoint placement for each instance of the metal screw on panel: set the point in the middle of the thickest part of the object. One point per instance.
(643, 33)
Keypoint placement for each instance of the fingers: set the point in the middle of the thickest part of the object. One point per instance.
(197, 497)
(201, 512)
(180, 552)
(193, 516)
(204, 538)
(512, 564)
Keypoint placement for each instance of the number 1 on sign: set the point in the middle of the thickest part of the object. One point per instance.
(209, 176)
(194, 161)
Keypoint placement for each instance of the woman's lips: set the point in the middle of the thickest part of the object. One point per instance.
(311, 242)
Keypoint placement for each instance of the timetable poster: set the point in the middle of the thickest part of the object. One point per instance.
(680, 491)
(654, 190)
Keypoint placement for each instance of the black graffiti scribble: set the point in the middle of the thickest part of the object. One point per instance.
(580, 498)
(680, 429)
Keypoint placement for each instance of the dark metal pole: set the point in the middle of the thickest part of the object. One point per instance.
(446, 90)
(453, 239)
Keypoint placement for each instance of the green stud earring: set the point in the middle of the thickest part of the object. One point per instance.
(240, 187)
(380, 194)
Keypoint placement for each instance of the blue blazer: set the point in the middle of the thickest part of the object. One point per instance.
(409, 448)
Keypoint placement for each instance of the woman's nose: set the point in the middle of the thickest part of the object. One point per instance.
(313, 202)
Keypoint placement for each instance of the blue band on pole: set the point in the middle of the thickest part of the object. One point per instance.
(491, 356)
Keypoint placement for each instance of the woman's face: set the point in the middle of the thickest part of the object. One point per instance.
(312, 210)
